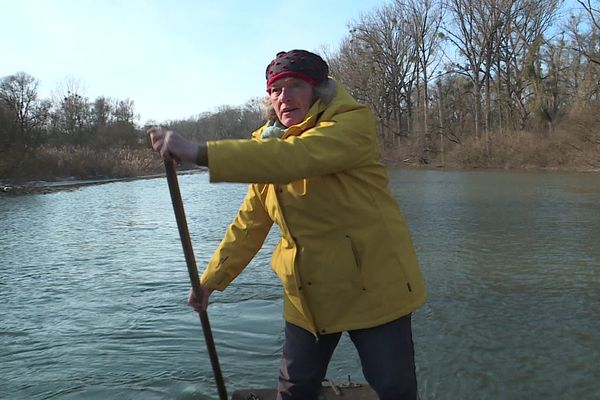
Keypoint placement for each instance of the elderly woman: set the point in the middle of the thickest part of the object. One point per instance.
(345, 258)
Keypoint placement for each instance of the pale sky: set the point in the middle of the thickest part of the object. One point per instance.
(174, 59)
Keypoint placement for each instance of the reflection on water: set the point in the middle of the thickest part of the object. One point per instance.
(93, 286)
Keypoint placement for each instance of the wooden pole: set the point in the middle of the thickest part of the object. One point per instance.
(190, 260)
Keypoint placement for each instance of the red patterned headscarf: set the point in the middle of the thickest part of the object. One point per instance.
(298, 64)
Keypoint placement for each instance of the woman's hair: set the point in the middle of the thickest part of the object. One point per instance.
(325, 92)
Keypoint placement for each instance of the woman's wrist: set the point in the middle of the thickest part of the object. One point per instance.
(202, 155)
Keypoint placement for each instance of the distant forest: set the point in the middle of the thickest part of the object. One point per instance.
(452, 83)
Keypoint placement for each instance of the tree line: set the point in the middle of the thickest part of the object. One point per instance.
(71, 135)
(444, 72)
(28, 122)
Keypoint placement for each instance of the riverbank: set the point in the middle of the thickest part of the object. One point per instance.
(45, 187)
(48, 169)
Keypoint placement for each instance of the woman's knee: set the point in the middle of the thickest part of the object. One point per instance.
(387, 357)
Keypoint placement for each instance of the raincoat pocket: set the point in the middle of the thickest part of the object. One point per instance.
(282, 262)
(333, 280)
(331, 262)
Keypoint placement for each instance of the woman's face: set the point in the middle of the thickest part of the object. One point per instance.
(291, 98)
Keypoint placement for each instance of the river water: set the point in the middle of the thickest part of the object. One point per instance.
(93, 286)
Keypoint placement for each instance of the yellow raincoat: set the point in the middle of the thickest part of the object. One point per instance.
(345, 258)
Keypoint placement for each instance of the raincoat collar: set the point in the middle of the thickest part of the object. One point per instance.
(310, 120)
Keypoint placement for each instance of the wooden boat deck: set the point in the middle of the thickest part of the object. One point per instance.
(338, 392)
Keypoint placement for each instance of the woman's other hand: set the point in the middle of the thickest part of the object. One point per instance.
(199, 305)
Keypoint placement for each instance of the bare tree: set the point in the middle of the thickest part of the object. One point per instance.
(593, 11)
(425, 18)
(102, 112)
(72, 114)
(19, 94)
(585, 30)
(71, 117)
(354, 66)
(518, 67)
(476, 35)
(386, 36)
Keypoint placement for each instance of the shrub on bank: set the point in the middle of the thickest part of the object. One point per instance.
(52, 163)
(572, 145)
(525, 150)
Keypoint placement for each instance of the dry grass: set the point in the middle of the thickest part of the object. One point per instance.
(51, 163)
(527, 150)
(573, 145)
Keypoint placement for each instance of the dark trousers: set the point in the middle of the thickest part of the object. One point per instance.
(386, 354)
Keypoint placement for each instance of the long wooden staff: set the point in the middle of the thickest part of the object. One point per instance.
(190, 260)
